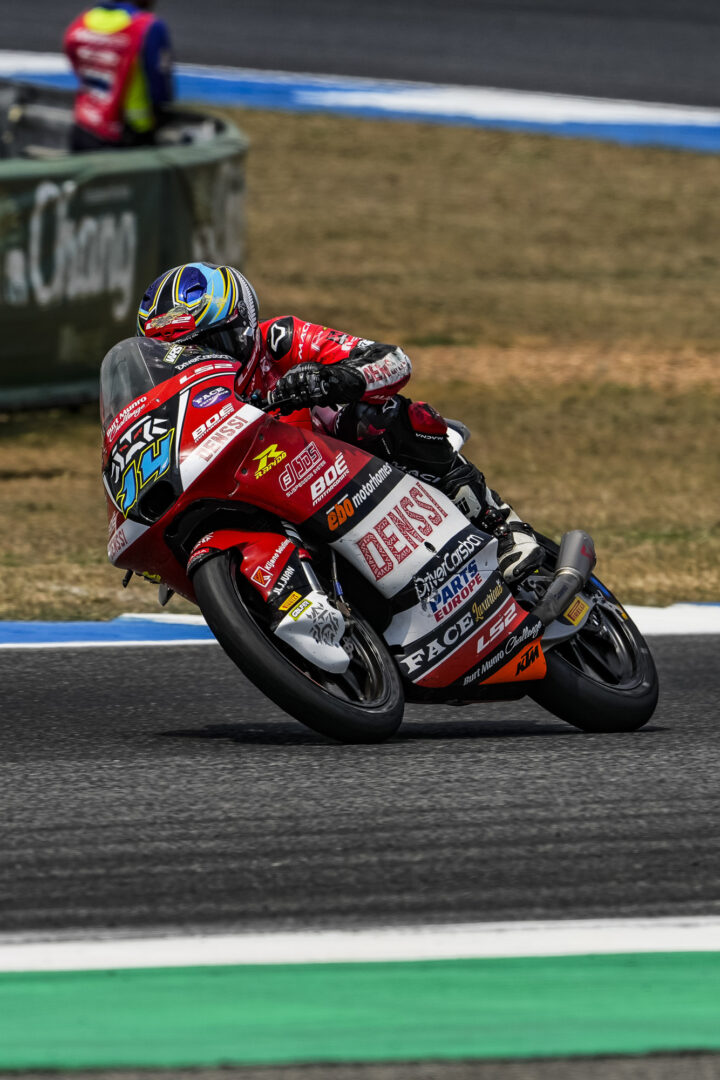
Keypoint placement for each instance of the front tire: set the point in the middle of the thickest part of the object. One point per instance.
(603, 678)
(363, 705)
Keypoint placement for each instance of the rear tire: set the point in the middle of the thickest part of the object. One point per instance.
(364, 705)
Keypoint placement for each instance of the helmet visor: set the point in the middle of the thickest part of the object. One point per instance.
(237, 341)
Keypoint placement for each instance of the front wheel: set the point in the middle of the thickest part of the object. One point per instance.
(364, 704)
(604, 677)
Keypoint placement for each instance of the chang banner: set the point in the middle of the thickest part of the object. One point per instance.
(80, 238)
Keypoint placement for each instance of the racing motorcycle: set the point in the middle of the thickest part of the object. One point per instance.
(341, 586)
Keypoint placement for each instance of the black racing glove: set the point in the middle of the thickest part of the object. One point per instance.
(316, 384)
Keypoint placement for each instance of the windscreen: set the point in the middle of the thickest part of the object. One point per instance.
(136, 365)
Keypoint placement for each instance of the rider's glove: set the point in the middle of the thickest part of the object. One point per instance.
(302, 386)
(316, 384)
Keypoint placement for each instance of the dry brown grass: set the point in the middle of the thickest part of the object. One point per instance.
(561, 297)
(441, 235)
(636, 467)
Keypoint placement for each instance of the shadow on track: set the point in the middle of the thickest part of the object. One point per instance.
(411, 731)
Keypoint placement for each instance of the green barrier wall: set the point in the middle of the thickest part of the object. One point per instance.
(81, 236)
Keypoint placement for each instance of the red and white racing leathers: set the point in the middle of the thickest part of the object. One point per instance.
(289, 341)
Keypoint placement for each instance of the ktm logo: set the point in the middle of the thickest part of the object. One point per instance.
(268, 460)
(529, 658)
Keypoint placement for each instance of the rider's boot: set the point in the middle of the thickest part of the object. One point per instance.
(518, 551)
(413, 436)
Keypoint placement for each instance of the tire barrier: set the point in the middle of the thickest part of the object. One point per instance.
(81, 235)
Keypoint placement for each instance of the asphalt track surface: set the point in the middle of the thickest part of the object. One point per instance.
(157, 788)
(653, 50)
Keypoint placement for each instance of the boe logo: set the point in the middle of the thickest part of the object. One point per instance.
(329, 479)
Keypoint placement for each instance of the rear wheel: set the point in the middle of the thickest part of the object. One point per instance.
(604, 677)
(363, 704)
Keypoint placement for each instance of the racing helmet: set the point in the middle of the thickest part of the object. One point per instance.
(209, 305)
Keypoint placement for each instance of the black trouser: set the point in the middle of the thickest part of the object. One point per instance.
(399, 431)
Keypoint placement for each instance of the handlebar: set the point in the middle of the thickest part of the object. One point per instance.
(268, 404)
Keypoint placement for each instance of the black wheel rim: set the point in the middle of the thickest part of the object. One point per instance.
(604, 650)
(363, 683)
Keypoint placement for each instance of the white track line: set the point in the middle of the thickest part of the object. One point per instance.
(675, 619)
(139, 644)
(502, 939)
(679, 620)
(428, 99)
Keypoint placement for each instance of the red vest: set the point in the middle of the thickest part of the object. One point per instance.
(103, 61)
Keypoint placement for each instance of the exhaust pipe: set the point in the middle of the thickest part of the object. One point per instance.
(575, 562)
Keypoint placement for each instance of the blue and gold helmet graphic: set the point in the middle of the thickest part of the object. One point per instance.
(213, 306)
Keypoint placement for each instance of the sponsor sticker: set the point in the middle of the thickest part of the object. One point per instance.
(338, 514)
(329, 479)
(300, 468)
(268, 459)
(371, 485)
(460, 588)
(212, 421)
(283, 546)
(481, 607)
(511, 646)
(173, 354)
(212, 396)
(404, 527)
(430, 583)
(291, 600)
(198, 370)
(299, 609)
(438, 646)
(284, 580)
(117, 543)
(223, 435)
(128, 413)
(527, 659)
(261, 577)
(577, 611)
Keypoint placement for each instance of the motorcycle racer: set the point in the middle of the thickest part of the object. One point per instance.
(346, 384)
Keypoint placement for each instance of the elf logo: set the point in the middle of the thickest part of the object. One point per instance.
(529, 658)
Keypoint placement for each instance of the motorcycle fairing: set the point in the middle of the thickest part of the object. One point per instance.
(393, 541)
(264, 554)
(314, 628)
(415, 540)
(303, 616)
(393, 528)
(527, 665)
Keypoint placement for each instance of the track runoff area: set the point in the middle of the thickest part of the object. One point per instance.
(418, 993)
(688, 127)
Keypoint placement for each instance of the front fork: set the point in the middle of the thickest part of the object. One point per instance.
(278, 567)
